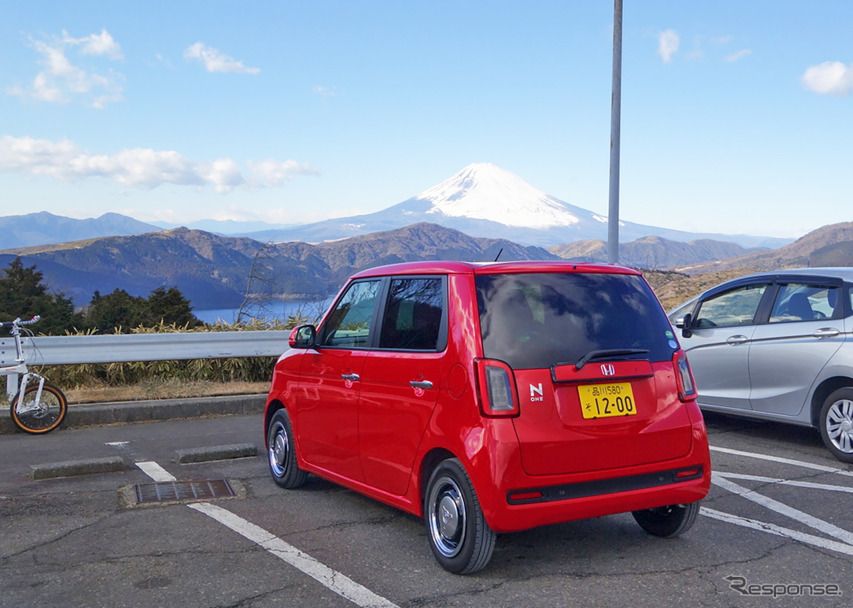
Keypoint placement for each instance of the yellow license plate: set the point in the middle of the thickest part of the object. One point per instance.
(606, 400)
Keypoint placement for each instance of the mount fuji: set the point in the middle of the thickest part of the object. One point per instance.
(483, 200)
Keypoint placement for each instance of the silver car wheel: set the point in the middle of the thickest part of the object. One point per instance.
(839, 425)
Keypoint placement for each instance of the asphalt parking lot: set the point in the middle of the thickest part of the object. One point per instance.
(775, 530)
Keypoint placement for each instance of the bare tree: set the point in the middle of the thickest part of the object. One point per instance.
(259, 287)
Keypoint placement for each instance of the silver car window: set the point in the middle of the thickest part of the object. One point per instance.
(802, 302)
(731, 308)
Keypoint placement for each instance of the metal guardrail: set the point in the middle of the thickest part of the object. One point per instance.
(65, 350)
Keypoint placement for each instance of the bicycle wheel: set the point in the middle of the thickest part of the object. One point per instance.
(41, 417)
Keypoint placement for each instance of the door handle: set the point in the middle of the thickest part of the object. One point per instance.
(351, 377)
(422, 384)
(738, 339)
(826, 332)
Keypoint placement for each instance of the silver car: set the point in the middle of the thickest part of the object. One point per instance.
(777, 346)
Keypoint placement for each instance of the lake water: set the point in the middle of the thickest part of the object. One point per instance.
(272, 310)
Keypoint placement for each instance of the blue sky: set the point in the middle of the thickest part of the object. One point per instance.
(737, 115)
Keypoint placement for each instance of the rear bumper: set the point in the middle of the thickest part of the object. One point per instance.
(513, 500)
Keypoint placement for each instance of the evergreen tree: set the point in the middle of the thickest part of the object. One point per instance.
(116, 312)
(169, 306)
(23, 294)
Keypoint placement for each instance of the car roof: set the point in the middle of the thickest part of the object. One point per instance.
(831, 274)
(841, 272)
(454, 267)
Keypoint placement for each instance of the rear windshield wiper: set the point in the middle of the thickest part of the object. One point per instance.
(612, 353)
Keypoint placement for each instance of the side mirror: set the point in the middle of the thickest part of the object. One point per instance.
(686, 322)
(304, 336)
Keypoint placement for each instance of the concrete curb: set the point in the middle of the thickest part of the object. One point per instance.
(71, 468)
(149, 411)
(216, 452)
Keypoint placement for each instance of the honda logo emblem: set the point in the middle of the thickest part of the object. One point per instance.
(608, 370)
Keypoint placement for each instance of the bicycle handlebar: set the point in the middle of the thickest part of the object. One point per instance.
(17, 322)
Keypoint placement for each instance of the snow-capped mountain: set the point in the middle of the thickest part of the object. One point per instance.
(487, 192)
(483, 200)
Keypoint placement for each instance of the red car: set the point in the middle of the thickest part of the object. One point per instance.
(492, 398)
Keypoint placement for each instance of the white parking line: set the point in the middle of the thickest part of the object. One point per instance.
(783, 509)
(786, 482)
(155, 471)
(811, 539)
(723, 479)
(799, 463)
(331, 579)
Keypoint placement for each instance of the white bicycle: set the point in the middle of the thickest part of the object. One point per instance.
(37, 406)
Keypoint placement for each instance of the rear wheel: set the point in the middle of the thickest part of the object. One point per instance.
(459, 536)
(836, 424)
(41, 417)
(281, 452)
(668, 521)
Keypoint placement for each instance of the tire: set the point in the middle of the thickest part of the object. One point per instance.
(668, 521)
(51, 412)
(836, 424)
(281, 452)
(459, 536)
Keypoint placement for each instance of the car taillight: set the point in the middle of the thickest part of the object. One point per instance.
(684, 377)
(498, 395)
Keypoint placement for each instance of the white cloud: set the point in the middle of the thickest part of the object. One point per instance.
(668, 42)
(61, 81)
(138, 167)
(273, 173)
(96, 44)
(829, 78)
(216, 62)
(737, 55)
(225, 174)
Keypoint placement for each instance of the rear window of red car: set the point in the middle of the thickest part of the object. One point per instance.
(535, 320)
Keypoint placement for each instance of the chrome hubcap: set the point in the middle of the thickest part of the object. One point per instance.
(278, 450)
(839, 425)
(447, 517)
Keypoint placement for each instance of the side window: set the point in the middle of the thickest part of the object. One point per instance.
(800, 302)
(412, 319)
(348, 325)
(731, 308)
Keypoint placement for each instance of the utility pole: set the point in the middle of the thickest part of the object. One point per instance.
(615, 120)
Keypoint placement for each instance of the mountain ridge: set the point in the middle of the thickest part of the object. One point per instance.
(484, 200)
(214, 271)
(44, 228)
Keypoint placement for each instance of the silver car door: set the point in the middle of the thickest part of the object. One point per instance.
(718, 349)
(789, 351)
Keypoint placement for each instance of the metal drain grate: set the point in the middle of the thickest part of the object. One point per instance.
(172, 491)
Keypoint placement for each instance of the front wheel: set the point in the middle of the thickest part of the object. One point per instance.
(281, 452)
(836, 424)
(42, 416)
(668, 521)
(459, 536)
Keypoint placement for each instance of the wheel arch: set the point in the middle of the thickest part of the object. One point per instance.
(428, 463)
(270, 410)
(823, 391)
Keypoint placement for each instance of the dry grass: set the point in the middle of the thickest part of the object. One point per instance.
(673, 288)
(169, 389)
